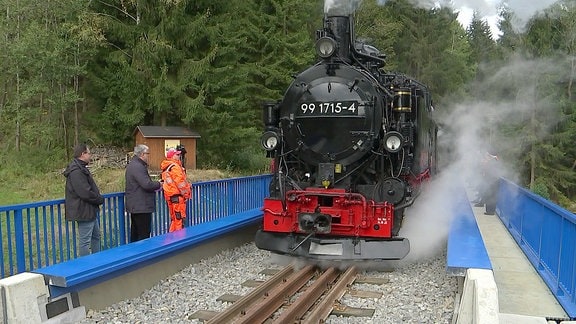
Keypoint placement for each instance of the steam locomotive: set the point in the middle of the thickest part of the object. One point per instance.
(351, 147)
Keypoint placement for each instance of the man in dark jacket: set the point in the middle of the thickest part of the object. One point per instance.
(140, 194)
(82, 200)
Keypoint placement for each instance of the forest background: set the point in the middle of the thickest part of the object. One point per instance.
(91, 71)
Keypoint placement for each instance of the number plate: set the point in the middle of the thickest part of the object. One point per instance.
(329, 108)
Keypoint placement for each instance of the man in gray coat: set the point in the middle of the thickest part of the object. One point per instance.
(140, 194)
(82, 200)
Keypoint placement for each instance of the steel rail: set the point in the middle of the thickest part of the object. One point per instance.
(293, 313)
(260, 312)
(324, 308)
(239, 306)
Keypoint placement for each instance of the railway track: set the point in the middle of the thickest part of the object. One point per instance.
(306, 295)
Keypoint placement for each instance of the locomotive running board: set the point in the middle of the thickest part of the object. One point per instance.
(337, 249)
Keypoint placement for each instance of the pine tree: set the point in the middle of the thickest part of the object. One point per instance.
(432, 47)
(482, 44)
(42, 68)
(264, 44)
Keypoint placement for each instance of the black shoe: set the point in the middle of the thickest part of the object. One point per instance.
(488, 213)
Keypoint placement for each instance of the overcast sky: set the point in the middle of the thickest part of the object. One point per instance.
(487, 9)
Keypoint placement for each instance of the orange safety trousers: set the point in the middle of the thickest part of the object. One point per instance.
(177, 212)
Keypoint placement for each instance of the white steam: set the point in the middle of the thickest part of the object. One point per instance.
(489, 9)
(341, 7)
(471, 129)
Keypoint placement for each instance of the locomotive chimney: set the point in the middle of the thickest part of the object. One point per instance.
(339, 27)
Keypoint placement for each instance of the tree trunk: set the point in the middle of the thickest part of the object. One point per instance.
(17, 135)
(532, 153)
(532, 166)
(572, 68)
(76, 91)
(18, 131)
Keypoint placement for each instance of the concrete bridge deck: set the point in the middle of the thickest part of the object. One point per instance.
(521, 290)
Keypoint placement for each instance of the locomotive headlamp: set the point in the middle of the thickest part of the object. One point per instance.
(393, 142)
(325, 47)
(269, 140)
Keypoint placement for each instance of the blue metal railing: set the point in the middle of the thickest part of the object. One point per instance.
(547, 235)
(36, 235)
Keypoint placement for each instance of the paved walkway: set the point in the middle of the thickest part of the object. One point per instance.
(520, 289)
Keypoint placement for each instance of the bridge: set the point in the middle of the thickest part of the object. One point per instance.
(515, 267)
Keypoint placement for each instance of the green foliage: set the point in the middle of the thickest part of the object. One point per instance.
(482, 45)
(33, 174)
(540, 189)
(72, 70)
(198, 65)
(431, 47)
(41, 72)
(378, 26)
(510, 41)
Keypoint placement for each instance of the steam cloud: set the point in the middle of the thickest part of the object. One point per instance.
(473, 130)
(523, 10)
(341, 7)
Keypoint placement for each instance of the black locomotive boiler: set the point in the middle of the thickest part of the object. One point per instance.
(351, 146)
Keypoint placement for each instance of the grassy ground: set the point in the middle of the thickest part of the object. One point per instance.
(39, 187)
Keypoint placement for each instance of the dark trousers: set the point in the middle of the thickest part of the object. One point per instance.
(491, 197)
(140, 226)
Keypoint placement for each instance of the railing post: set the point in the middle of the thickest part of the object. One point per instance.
(19, 230)
(230, 194)
(208, 203)
(122, 220)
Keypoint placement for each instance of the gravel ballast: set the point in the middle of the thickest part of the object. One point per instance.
(418, 292)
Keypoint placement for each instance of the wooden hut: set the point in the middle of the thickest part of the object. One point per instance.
(160, 138)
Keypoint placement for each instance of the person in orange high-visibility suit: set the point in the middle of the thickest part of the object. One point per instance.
(176, 188)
